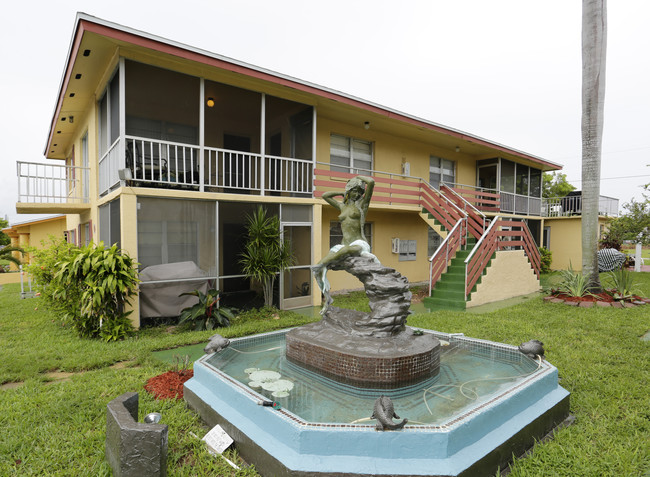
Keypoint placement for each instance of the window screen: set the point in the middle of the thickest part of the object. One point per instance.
(174, 231)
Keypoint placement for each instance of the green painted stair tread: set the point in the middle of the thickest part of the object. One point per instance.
(443, 304)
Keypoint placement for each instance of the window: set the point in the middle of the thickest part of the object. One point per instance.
(441, 170)
(336, 234)
(535, 182)
(109, 115)
(109, 223)
(522, 179)
(172, 231)
(507, 176)
(407, 250)
(350, 155)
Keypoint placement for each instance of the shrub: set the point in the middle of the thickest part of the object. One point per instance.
(103, 279)
(42, 268)
(573, 283)
(546, 258)
(625, 286)
(265, 253)
(206, 314)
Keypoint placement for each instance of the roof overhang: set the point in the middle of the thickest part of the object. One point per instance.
(103, 38)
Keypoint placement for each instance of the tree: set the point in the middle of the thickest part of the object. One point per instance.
(594, 45)
(4, 238)
(554, 184)
(265, 253)
(633, 225)
(7, 253)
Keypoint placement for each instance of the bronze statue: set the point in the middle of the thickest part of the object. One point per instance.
(353, 208)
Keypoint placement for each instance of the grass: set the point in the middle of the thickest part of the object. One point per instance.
(631, 250)
(57, 428)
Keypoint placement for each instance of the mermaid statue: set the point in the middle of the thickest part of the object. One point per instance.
(353, 209)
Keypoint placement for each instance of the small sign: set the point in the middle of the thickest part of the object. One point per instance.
(217, 439)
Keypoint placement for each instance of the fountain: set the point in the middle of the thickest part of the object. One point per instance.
(304, 402)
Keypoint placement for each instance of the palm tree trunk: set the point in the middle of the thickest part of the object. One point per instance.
(594, 45)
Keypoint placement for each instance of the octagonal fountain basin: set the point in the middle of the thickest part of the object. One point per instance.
(488, 402)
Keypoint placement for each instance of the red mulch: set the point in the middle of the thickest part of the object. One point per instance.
(168, 385)
(603, 296)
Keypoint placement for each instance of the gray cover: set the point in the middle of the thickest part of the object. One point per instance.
(161, 299)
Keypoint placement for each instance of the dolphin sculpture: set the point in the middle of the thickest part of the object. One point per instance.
(384, 412)
(532, 349)
(216, 344)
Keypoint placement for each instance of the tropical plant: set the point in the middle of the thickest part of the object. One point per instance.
(265, 253)
(103, 279)
(624, 284)
(546, 258)
(573, 284)
(207, 314)
(594, 41)
(42, 268)
(7, 253)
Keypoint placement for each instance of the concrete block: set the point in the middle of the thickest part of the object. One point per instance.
(134, 448)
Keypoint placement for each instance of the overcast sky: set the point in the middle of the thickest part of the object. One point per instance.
(505, 70)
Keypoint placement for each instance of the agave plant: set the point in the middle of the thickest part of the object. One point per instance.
(625, 286)
(573, 283)
(206, 314)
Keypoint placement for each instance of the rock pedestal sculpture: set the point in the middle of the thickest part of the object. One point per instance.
(388, 295)
(371, 350)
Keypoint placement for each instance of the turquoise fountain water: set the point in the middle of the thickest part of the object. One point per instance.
(468, 377)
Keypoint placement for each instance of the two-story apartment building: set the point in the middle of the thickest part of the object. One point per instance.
(165, 149)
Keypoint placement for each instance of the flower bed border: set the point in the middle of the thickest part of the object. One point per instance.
(603, 304)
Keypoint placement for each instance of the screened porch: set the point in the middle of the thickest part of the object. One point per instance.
(160, 128)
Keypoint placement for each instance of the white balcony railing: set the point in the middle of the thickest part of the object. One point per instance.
(52, 183)
(155, 163)
(572, 205)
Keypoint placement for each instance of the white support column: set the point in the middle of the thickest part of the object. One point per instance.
(201, 136)
(263, 144)
(313, 147)
(122, 102)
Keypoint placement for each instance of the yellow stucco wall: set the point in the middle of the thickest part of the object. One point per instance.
(509, 275)
(386, 225)
(390, 151)
(566, 241)
(31, 234)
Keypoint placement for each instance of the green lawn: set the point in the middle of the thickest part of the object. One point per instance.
(631, 250)
(58, 428)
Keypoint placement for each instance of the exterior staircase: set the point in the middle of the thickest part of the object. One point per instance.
(449, 291)
(470, 239)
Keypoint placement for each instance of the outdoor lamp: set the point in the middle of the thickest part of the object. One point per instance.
(210, 102)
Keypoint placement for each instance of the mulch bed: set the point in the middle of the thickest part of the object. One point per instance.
(601, 299)
(168, 385)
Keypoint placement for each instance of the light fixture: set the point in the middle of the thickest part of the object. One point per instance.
(210, 102)
(71, 119)
(366, 125)
(457, 148)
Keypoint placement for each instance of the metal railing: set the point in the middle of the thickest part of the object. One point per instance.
(230, 170)
(572, 205)
(51, 183)
(162, 162)
(439, 261)
(109, 165)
